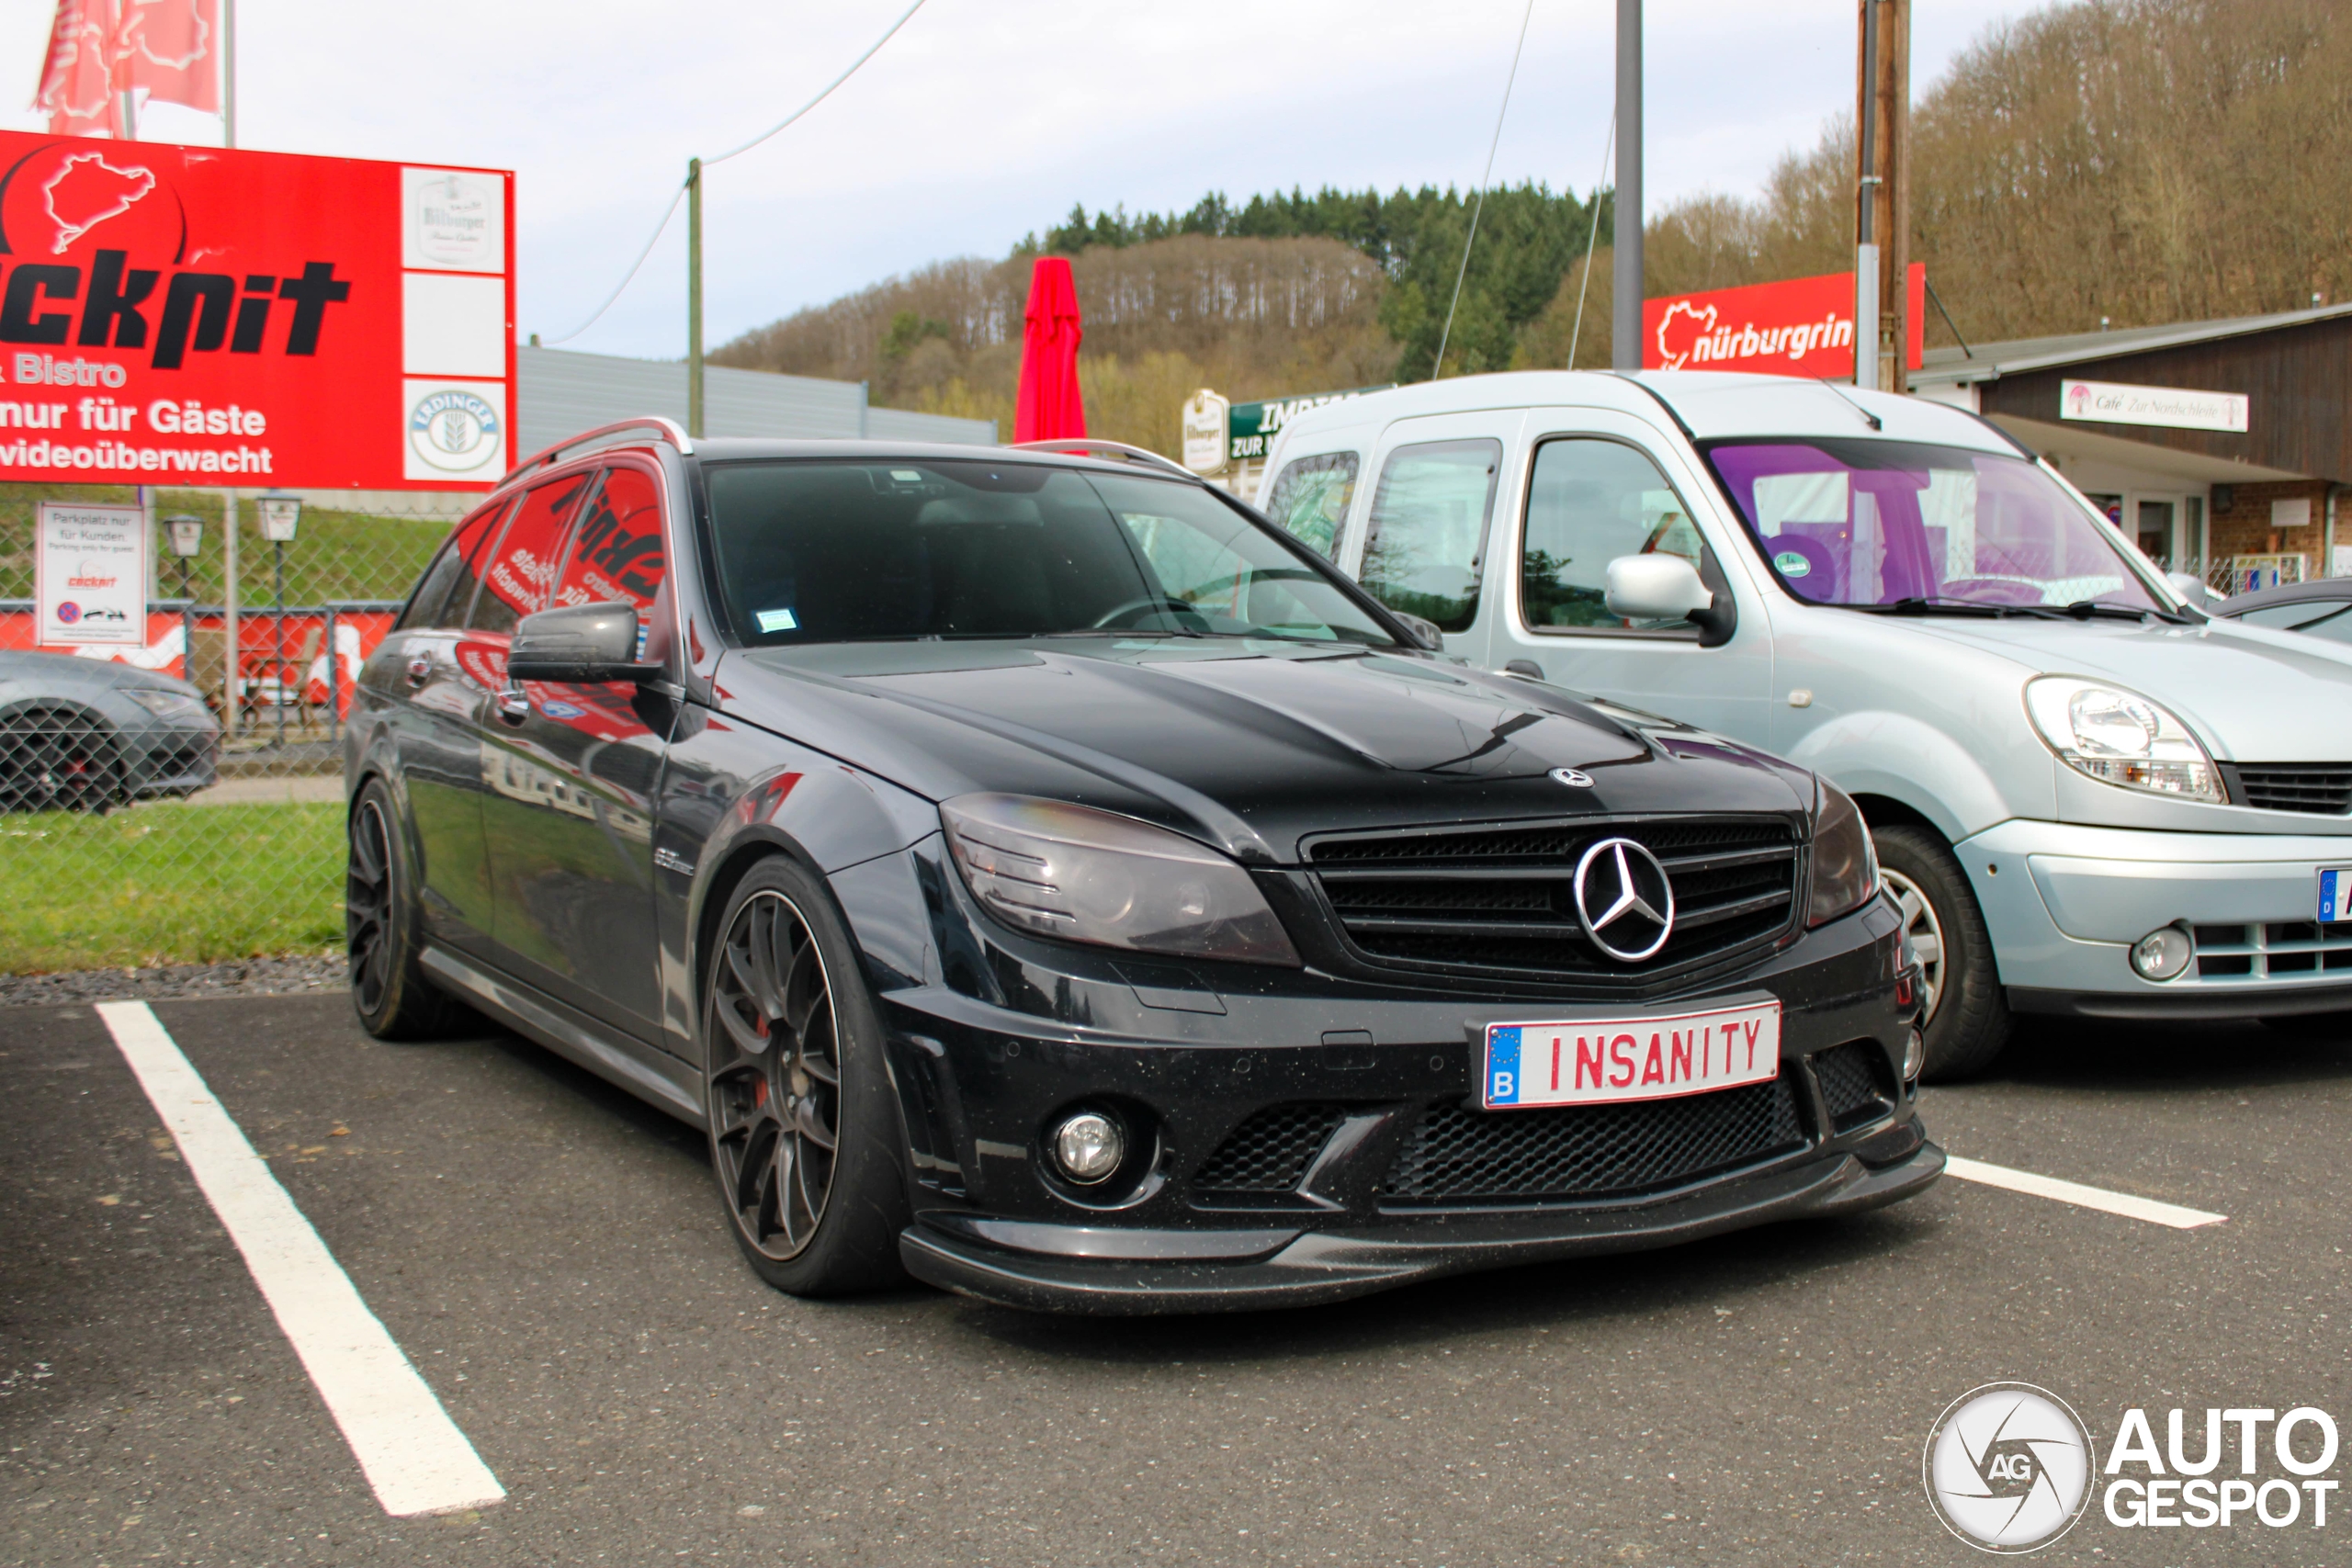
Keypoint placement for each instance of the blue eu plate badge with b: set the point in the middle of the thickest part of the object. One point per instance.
(2334, 883)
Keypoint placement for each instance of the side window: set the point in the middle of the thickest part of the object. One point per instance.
(448, 586)
(616, 553)
(1589, 502)
(1310, 499)
(1427, 539)
(522, 562)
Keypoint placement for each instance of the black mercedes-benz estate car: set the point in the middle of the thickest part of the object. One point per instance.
(1042, 876)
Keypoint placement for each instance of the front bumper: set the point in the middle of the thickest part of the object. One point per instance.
(2065, 903)
(1216, 1069)
(1072, 1267)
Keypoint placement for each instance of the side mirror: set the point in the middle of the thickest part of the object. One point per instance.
(1656, 588)
(580, 645)
(1431, 640)
(2191, 587)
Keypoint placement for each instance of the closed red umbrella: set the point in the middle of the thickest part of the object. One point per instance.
(1050, 408)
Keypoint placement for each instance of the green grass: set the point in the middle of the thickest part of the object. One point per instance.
(168, 884)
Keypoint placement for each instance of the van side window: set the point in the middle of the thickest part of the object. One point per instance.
(1589, 502)
(1427, 539)
(1310, 499)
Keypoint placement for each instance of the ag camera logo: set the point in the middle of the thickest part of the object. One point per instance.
(2007, 1467)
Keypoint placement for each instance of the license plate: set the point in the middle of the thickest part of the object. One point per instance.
(1610, 1061)
(2334, 891)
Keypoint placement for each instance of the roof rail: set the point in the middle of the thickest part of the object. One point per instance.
(667, 429)
(1082, 445)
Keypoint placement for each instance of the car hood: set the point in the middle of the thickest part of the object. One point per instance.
(26, 673)
(2254, 696)
(1245, 745)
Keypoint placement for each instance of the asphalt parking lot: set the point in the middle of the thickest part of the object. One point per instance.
(545, 1251)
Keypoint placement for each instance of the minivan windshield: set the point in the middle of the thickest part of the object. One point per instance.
(831, 551)
(1895, 524)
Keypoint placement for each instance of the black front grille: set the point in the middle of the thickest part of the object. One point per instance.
(1502, 899)
(1270, 1152)
(2321, 789)
(1853, 1084)
(1455, 1154)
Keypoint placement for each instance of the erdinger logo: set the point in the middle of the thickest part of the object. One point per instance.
(1624, 900)
(2007, 1468)
(453, 431)
(1683, 325)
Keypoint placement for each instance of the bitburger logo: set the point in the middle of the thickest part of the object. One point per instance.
(2007, 1467)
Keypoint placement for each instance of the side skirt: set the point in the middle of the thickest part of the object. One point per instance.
(670, 1086)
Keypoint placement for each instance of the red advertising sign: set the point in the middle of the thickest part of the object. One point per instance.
(1802, 327)
(201, 316)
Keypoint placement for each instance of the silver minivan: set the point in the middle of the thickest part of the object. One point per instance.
(2089, 798)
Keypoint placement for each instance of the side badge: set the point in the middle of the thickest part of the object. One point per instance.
(1572, 778)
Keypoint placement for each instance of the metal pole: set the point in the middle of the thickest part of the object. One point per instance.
(1866, 208)
(278, 647)
(335, 681)
(227, 72)
(231, 695)
(1625, 318)
(693, 298)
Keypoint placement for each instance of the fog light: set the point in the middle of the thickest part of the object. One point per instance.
(2162, 954)
(1914, 1056)
(1089, 1146)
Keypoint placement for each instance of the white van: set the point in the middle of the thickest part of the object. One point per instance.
(2089, 798)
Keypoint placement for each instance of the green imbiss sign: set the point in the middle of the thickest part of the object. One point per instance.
(1251, 428)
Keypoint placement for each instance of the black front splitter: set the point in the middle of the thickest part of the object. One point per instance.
(1082, 1269)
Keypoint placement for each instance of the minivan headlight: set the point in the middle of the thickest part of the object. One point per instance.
(1088, 876)
(1845, 862)
(2120, 738)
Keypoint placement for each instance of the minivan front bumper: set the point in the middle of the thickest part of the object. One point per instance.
(2065, 903)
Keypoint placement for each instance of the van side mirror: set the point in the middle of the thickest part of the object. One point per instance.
(1667, 588)
(580, 645)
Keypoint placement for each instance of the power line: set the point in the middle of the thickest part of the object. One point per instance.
(1591, 237)
(672, 210)
(1438, 368)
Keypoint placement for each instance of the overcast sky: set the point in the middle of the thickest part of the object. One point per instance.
(985, 119)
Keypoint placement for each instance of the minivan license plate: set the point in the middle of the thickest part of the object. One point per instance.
(2335, 892)
(1610, 1061)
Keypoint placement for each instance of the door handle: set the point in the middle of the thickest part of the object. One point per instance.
(514, 705)
(420, 669)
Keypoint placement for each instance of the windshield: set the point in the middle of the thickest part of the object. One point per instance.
(1876, 523)
(834, 551)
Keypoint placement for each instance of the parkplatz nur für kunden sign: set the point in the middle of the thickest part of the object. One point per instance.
(197, 316)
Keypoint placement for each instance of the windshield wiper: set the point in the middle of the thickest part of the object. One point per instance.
(1931, 604)
(2083, 609)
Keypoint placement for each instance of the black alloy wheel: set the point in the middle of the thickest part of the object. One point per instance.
(389, 987)
(57, 757)
(804, 1137)
(1965, 1016)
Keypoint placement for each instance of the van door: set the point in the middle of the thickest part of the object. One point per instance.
(1601, 485)
(1423, 546)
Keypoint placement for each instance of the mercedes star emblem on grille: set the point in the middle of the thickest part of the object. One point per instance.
(1624, 900)
(1575, 778)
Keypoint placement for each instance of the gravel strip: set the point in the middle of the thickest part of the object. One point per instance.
(244, 977)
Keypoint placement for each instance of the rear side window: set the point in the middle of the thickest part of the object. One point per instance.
(1310, 499)
(1426, 539)
(1589, 502)
(523, 563)
(616, 553)
(448, 586)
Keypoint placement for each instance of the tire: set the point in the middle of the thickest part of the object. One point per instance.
(1966, 1017)
(792, 1052)
(59, 757)
(382, 931)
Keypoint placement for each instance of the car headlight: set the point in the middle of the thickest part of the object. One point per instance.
(1087, 875)
(2120, 738)
(1845, 862)
(165, 704)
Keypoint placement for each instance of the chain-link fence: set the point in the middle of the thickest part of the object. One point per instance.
(143, 823)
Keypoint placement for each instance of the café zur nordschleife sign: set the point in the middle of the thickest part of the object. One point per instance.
(1251, 428)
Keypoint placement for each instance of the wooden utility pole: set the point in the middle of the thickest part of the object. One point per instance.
(1882, 191)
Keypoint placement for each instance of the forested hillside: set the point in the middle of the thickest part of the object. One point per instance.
(2137, 159)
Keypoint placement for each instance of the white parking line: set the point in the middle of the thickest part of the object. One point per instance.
(2074, 1192)
(413, 1455)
